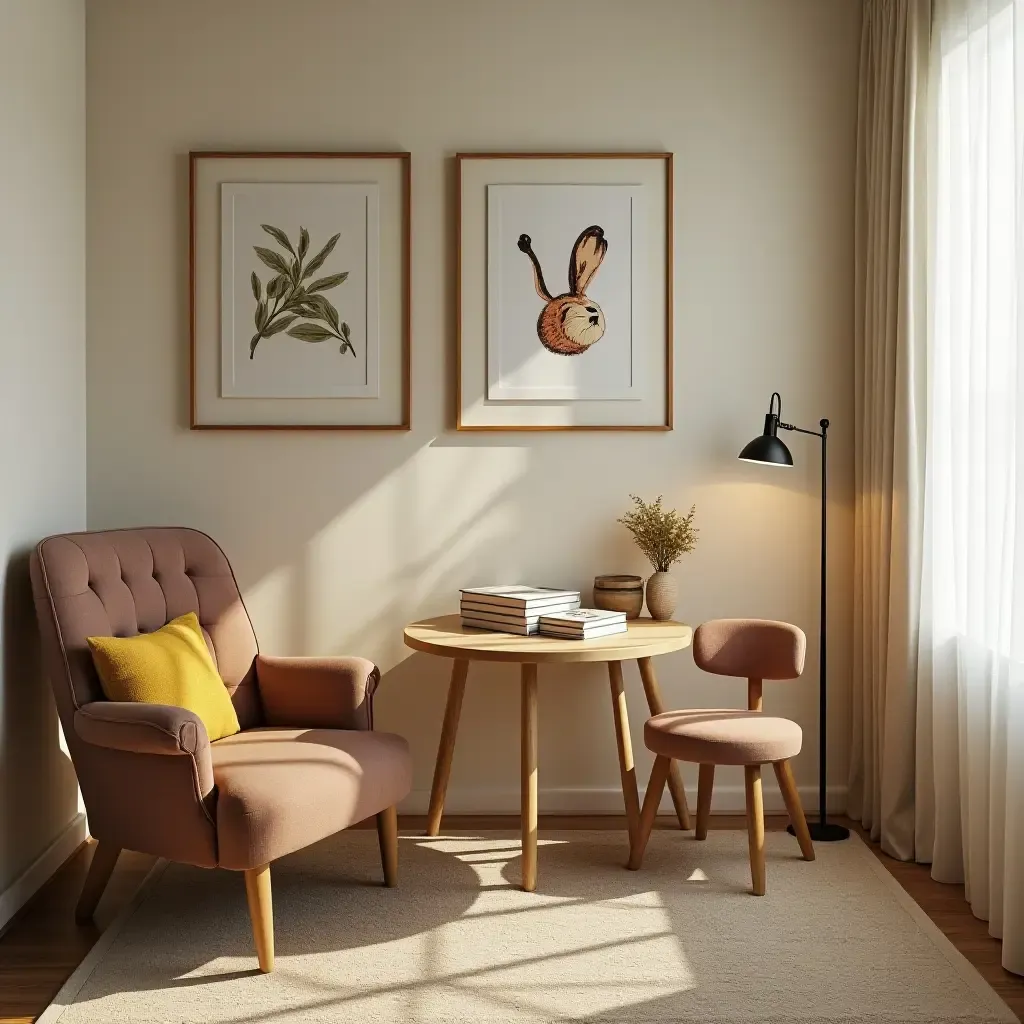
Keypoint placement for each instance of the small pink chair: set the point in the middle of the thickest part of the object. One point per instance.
(759, 650)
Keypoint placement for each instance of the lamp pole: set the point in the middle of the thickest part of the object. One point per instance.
(770, 450)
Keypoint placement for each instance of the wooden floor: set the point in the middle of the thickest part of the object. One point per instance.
(43, 945)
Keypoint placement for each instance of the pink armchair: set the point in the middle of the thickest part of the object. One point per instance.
(306, 763)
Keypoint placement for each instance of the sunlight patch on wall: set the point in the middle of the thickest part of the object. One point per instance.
(446, 518)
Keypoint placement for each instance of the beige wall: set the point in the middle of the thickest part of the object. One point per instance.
(42, 400)
(338, 540)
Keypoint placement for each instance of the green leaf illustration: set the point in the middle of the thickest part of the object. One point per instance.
(303, 243)
(318, 260)
(324, 310)
(272, 259)
(295, 270)
(257, 291)
(279, 325)
(261, 314)
(310, 332)
(277, 286)
(324, 284)
(348, 340)
(279, 236)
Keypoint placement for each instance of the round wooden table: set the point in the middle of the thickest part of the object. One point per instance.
(448, 638)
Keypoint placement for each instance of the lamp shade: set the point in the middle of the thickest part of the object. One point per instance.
(767, 448)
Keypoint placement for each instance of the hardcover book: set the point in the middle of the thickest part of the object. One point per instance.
(583, 618)
(520, 597)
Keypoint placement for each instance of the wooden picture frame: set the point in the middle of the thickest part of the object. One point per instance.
(476, 173)
(212, 175)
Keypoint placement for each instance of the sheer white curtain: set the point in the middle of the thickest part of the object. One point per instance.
(969, 787)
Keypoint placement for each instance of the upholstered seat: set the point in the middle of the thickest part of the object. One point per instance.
(306, 763)
(333, 778)
(722, 737)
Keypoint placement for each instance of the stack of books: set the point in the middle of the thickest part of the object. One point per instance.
(514, 609)
(582, 623)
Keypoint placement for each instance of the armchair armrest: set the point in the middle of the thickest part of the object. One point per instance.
(148, 729)
(325, 693)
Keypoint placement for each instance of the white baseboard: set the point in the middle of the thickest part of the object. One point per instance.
(38, 873)
(728, 799)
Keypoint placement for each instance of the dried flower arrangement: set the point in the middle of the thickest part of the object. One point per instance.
(663, 535)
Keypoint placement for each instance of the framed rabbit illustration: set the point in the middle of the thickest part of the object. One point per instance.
(564, 291)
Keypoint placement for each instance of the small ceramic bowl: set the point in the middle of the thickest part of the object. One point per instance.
(618, 593)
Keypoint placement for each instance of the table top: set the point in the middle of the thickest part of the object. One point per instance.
(447, 637)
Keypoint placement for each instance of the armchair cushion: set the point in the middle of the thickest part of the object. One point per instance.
(170, 666)
(324, 693)
(279, 790)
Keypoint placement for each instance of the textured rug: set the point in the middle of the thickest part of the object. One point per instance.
(680, 940)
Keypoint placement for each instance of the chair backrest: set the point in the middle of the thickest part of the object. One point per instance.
(750, 648)
(125, 582)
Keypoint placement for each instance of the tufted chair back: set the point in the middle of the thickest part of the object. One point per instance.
(124, 582)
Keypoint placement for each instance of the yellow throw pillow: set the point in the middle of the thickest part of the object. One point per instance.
(171, 666)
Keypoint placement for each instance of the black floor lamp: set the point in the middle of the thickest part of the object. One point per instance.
(769, 449)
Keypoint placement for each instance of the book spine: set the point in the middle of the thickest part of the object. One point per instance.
(509, 613)
(579, 634)
(500, 627)
(518, 604)
(502, 616)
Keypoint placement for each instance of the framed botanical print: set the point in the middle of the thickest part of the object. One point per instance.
(564, 285)
(300, 290)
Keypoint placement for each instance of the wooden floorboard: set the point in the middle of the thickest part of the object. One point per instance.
(43, 945)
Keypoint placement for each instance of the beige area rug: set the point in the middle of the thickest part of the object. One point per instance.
(680, 940)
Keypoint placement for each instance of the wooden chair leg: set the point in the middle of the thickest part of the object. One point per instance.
(755, 826)
(104, 857)
(261, 913)
(705, 784)
(387, 837)
(784, 773)
(655, 787)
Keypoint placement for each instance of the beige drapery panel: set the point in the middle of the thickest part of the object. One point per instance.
(889, 383)
(937, 767)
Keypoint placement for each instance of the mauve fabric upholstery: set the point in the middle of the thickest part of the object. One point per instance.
(712, 736)
(147, 772)
(328, 693)
(144, 728)
(750, 648)
(282, 789)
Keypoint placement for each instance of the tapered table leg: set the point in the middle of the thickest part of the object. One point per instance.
(446, 747)
(529, 776)
(627, 770)
(657, 706)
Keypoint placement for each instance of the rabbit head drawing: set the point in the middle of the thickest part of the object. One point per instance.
(569, 324)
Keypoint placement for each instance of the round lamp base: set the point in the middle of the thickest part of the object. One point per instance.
(824, 833)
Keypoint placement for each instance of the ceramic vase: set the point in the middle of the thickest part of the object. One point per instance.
(662, 595)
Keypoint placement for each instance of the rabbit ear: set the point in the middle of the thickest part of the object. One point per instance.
(587, 254)
(525, 244)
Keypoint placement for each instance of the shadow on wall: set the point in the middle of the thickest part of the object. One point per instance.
(337, 561)
(38, 788)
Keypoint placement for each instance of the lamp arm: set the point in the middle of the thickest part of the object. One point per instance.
(801, 430)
